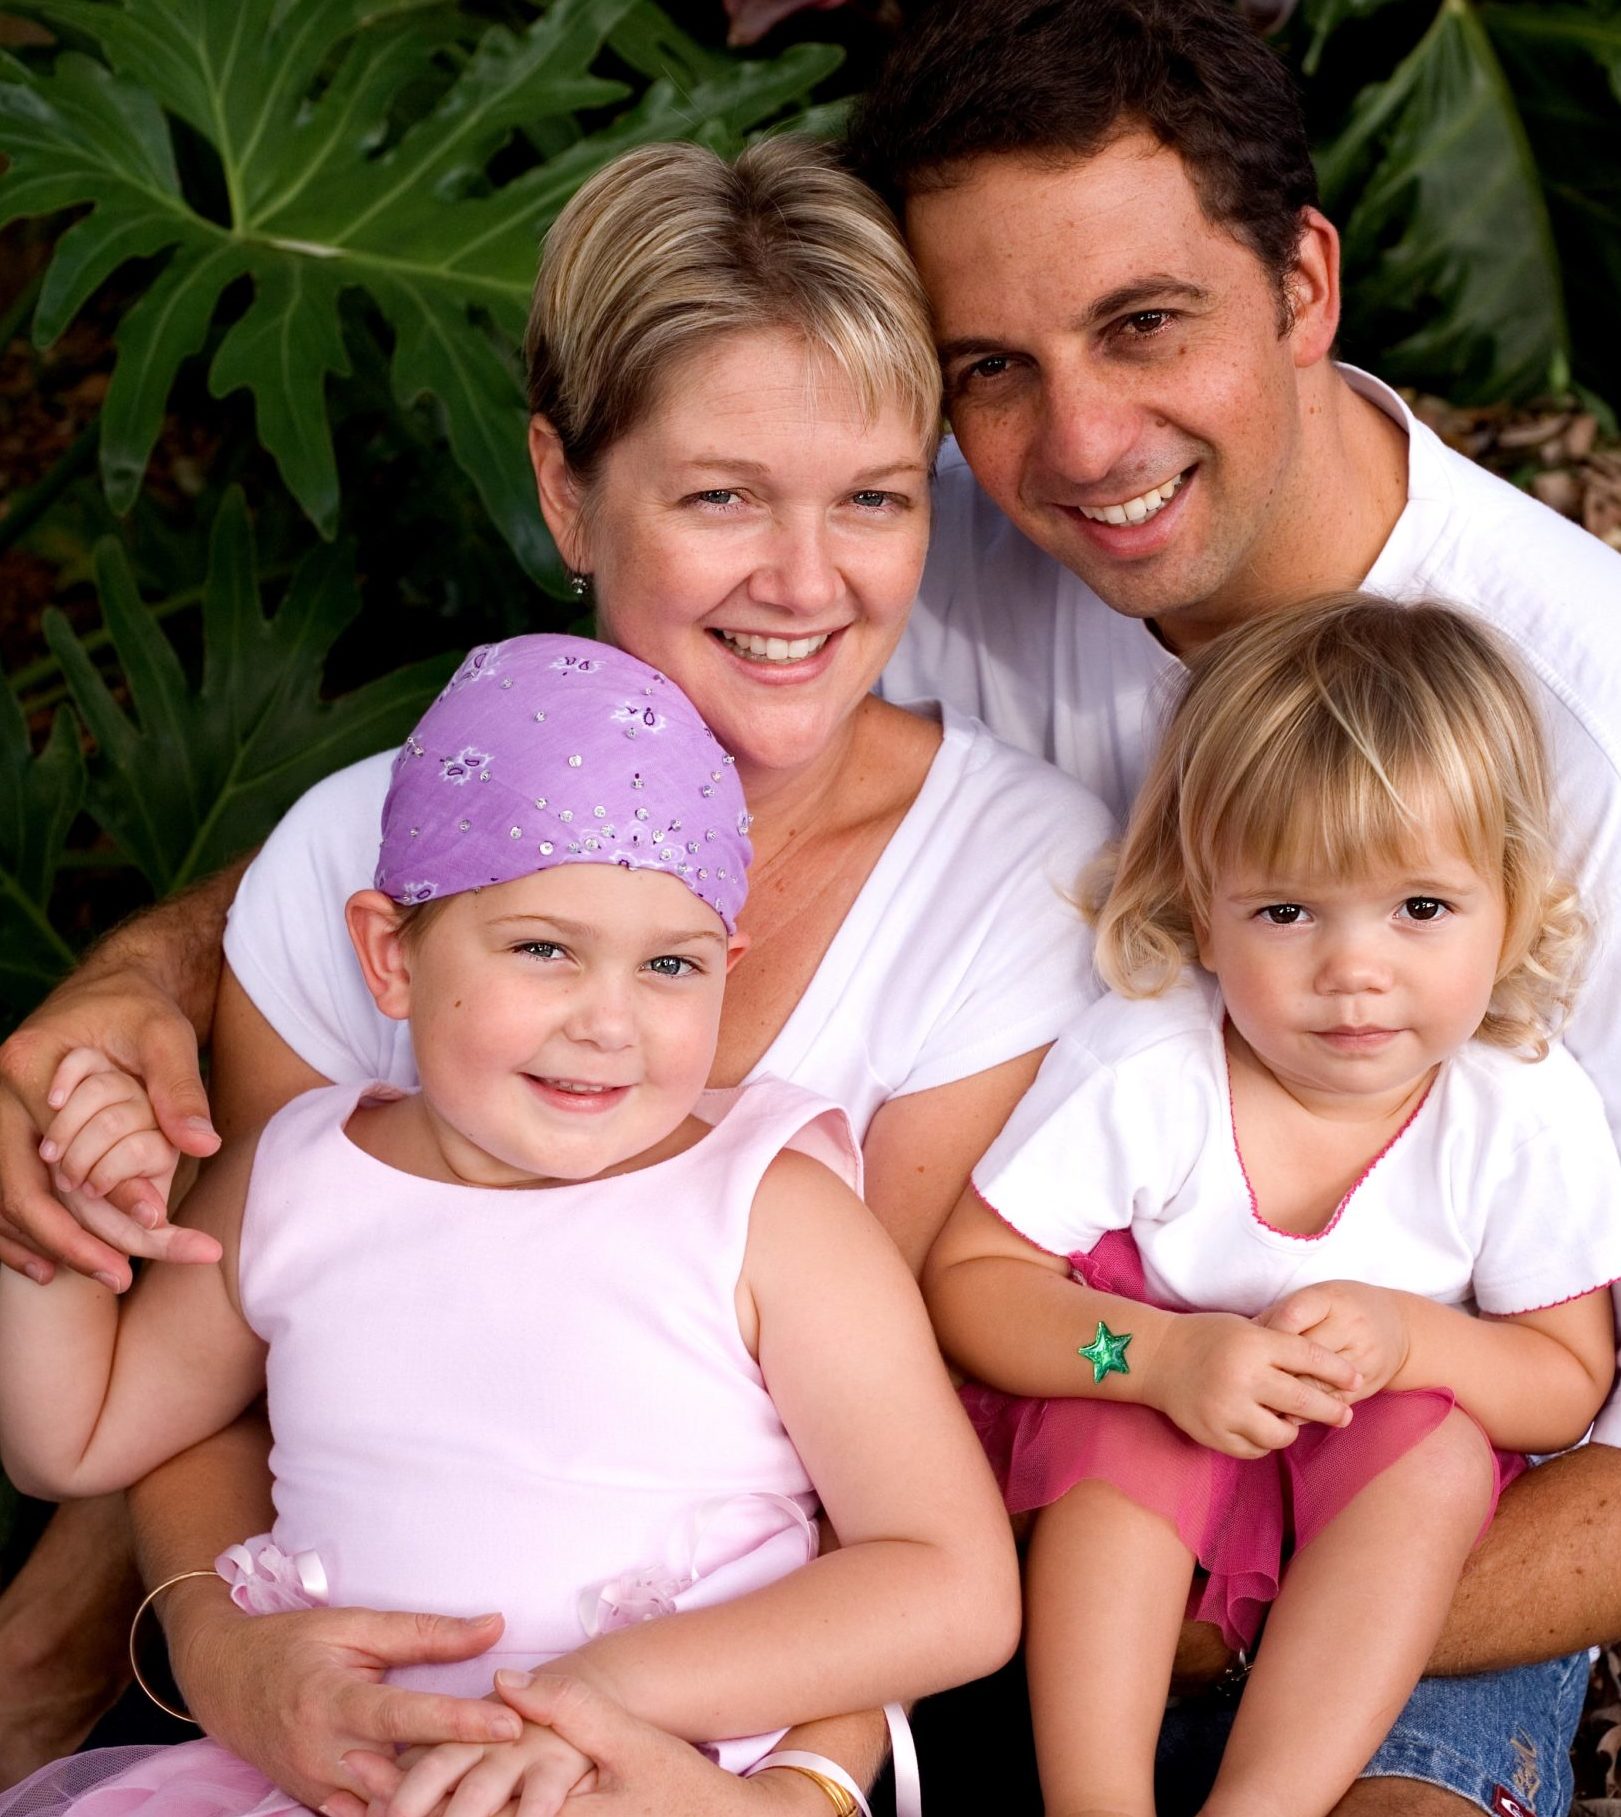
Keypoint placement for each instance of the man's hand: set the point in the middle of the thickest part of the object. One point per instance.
(292, 1694)
(1367, 1326)
(144, 1033)
(1244, 1389)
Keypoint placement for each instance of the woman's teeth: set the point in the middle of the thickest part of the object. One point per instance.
(772, 649)
(1135, 510)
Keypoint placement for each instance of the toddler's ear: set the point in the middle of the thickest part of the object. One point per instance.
(376, 930)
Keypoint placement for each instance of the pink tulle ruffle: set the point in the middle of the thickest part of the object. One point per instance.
(195, 1779)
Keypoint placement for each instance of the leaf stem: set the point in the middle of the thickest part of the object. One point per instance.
(28, 507)
(11, 323)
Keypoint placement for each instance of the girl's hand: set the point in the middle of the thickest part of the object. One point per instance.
(105, 1134)
(539, 1771)
(1243, 1388)
(1367, 1326)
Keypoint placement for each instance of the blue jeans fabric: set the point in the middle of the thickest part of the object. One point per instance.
(1501, 1740)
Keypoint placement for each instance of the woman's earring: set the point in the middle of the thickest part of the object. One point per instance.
(579, 584)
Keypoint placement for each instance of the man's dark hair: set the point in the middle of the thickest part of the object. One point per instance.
(1062, 79)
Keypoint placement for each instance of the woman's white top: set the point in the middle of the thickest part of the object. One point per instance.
(962, 950)
(1500, 1193)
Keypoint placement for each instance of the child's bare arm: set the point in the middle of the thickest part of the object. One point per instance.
(90, 1399)
(1010, 1315)
(1533, 1381)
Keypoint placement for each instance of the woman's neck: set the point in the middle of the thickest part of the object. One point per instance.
(785, 804)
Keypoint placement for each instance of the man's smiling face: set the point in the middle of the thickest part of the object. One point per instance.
(1116, 375)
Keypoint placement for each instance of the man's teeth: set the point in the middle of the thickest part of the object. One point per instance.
(773, 649)
(1134, 510)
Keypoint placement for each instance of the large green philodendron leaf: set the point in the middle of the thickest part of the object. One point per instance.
(1565, 63)
(295, 96)
(1450, 259)
(39, 796)
(184, 781)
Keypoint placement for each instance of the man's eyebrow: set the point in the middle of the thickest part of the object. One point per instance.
(1141, 293)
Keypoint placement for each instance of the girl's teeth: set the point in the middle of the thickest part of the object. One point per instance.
(575, 1086)
(1134, 510)
(773, 649)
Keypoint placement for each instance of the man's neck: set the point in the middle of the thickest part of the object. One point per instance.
(1346, 490)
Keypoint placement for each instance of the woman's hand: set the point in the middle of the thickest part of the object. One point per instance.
(1241, 1387)
(1368, 1326)
(293, 1694)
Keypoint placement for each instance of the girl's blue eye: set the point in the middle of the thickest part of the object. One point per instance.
(1282, 914)
(1424, 908)
(539, 949)
(672, 965)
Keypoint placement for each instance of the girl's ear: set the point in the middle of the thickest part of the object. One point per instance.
(559, 495)
(379, 941)
(1201, 944)
(736, 947)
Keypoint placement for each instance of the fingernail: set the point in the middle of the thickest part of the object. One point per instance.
(111, 1282)
(514, 1681)
(200, 1126)
(56, 1099)
(37, 1272)
(506, 1731)
(48, 1150)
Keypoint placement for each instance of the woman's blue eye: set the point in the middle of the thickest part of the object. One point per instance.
(871, 500)
(1424, 908)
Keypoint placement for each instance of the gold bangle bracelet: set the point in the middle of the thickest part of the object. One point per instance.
(134, 1630)
(843, 1804)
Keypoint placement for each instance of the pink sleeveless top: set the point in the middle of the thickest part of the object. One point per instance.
(533, 1401)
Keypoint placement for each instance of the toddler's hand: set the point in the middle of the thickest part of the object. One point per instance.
(1242, 1388)
(1365, 1325)
(468, 1779)
(104, 1134)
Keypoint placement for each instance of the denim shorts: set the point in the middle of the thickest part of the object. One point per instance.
(1500, 1740)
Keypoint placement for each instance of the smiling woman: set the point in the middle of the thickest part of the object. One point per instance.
(735, 414)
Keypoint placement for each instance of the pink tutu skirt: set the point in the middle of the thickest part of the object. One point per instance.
(195, 1779)
(1240, 1518)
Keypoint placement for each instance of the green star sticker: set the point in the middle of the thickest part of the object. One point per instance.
(1107, 1353)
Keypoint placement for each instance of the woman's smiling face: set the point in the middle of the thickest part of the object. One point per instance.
(758, 539)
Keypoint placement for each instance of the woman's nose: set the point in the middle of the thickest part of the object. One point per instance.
(797, 571)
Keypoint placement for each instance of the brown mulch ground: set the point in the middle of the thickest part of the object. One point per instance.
(1554, 450)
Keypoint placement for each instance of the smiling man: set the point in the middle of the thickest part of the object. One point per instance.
(1136, 297)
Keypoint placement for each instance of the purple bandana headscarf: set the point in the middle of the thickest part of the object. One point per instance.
(553, 750)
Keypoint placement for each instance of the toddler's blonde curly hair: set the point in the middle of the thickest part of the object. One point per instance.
(1326, 738)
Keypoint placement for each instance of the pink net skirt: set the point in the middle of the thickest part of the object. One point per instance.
(1240, 1518)
(195, 1779)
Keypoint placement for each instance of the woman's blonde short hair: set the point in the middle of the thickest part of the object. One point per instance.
(670, 247)
(1325, 738)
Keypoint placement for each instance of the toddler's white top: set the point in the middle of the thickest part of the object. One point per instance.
(1501, 1192)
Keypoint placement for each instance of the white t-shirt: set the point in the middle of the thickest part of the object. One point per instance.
(1003, 631)
(962, 949)
(1499, 1193)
